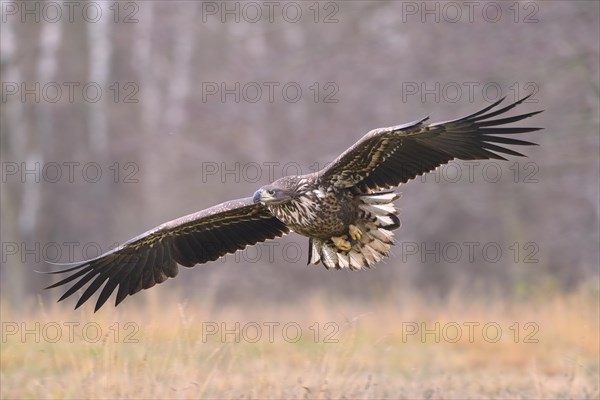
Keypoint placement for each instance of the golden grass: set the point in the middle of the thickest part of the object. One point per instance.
(371, 354)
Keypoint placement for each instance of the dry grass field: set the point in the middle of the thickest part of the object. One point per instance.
(325, 348)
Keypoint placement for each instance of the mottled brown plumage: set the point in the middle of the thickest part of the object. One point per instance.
(344, 209)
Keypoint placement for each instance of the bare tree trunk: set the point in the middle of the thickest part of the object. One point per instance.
(29, 142)
(179, 85)
(43, 137)
(150, 104)
(100, 52)
(99, 60)
(14, 144)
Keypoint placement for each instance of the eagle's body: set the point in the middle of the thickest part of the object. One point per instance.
(316, 211)
(346, 209)
(325, 215)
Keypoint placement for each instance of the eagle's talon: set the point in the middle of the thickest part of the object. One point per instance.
(341, 243)
(355, 232)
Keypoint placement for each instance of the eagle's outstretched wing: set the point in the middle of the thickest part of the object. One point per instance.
(152, 257)
(387, 157)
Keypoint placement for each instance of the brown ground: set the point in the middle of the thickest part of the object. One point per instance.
(176, 350)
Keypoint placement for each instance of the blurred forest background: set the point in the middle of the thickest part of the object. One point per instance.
(113, 123)
(119, 116)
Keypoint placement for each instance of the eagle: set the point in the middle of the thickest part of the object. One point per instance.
(346, 209)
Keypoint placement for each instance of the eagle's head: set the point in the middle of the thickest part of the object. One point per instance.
(281, 191)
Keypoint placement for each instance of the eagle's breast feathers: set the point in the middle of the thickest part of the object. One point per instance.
(317, 211)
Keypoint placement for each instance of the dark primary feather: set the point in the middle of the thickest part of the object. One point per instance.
(387, 157)
(152, 257)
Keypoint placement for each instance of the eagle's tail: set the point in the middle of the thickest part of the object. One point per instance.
(376, 220)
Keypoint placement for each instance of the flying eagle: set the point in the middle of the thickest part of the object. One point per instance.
(346, 209)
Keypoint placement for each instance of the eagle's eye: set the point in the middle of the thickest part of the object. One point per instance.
(271, 192)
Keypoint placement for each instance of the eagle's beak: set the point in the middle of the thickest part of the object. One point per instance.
(265, 196)
(257, 196)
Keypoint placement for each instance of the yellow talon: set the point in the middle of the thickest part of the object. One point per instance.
(355, 232)
(341, 243)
